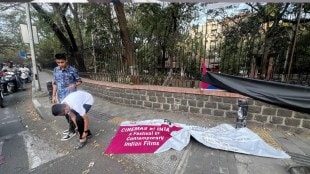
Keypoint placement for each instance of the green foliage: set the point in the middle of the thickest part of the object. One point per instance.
(164, 36)
(100, 22)
(303, 53)
(160, 29)
(11, 16)
(261, 31)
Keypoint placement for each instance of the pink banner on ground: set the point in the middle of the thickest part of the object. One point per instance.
(137, 138)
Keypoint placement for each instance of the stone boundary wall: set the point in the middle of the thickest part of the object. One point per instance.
(219, 104)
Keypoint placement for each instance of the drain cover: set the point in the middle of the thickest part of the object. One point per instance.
(300, 159)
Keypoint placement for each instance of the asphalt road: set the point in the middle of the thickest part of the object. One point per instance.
(15, 139)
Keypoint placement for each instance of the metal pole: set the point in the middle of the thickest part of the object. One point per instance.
(33, 58)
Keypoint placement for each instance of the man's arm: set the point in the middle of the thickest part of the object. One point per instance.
(77, 78)
(86, 121)
(54, 98)
(77, 83)
(54, 93)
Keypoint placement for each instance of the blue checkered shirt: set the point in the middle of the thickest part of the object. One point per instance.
(64, 78)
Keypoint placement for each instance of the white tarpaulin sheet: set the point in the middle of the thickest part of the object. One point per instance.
(158, 135)
(242, 140)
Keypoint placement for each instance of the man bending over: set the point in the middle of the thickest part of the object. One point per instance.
(76, 105)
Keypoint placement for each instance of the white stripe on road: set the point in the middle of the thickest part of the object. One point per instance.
(1, 145)
(8, 122)
(38, 151)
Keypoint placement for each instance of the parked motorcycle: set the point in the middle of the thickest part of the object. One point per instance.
(1, 98)
(1, 88)
(12, 81)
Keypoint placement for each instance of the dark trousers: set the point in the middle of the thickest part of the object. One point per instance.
(71, 124)
(80, 121)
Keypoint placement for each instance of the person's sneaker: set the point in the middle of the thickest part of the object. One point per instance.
(68, 136)
(65, 132)
(80, 145)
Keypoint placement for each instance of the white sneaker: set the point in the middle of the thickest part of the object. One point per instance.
(68, 136)
(65, 132)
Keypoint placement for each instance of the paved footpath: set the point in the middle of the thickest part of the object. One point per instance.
(195, 158)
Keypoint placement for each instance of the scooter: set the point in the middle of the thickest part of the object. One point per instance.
(1, 89)
(11, 79)
(1, 98)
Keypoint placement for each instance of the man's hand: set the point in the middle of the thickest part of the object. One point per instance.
(84, 135)
(72, 86)
(54, 100)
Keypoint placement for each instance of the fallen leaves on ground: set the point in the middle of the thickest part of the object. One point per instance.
(116, 120)
(264, 134)
(95, 144)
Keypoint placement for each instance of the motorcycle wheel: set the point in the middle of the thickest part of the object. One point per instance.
(10, 89)
(1, 99)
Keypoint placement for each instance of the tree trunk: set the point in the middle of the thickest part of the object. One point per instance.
(253, 67)
(68, 44)
(270, 68)
(80, 50)
(128, 45)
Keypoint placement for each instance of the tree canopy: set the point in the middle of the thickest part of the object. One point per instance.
(155, 38)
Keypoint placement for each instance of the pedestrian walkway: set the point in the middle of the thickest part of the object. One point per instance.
(105, 118)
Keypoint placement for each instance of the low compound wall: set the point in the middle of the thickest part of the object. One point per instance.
(218, 104)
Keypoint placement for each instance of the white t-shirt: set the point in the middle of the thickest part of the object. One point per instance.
(77, 99)
(24, 72)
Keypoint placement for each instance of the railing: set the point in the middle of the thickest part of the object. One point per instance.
(174, 81)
